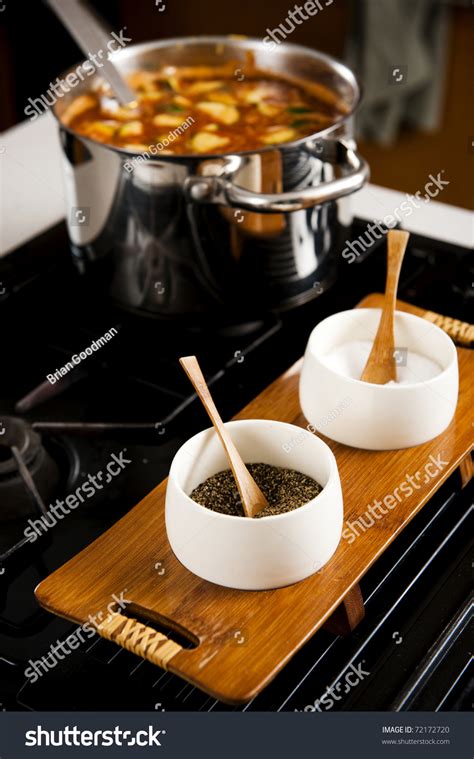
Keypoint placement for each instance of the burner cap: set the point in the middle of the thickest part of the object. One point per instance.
(16, 432)
(21, 447)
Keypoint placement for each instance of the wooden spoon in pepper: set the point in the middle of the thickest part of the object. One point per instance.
(252, 497)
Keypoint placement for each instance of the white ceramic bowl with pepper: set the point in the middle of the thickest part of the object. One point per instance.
(264, 552)
(378, 417)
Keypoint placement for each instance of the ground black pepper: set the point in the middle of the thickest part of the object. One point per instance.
(285, 490)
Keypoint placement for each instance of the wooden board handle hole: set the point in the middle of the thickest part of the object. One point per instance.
(158, 644)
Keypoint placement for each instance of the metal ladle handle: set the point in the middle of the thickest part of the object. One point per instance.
(86, 30)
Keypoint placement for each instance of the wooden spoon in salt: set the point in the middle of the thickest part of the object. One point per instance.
(381, 366)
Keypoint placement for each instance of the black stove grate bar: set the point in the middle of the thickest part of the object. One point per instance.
(28, 481)
(435, 655)
(45, 391)
(455, 685)
(91, 428)
(99, 428)
(6, 555)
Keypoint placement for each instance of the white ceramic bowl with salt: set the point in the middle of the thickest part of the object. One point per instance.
(378, 417)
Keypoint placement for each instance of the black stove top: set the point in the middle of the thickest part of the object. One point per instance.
(103, 436)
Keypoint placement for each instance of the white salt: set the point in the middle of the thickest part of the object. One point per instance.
(350, 359)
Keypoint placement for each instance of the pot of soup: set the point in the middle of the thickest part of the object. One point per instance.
(222, 190)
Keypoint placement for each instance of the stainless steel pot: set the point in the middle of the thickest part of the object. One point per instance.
(228, 235)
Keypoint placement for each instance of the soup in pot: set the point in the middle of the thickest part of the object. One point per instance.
(204, 109)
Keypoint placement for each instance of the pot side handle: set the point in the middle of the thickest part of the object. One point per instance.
(354, 174)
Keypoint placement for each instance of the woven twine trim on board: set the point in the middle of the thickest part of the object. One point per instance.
(461, 332)
(139, 639)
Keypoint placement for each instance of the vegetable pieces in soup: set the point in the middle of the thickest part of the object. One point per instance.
(199, 110)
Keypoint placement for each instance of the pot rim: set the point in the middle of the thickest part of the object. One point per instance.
(247, 43)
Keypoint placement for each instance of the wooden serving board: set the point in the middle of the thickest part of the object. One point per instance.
(246, 637)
